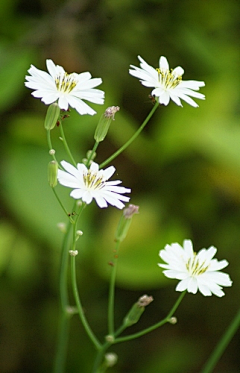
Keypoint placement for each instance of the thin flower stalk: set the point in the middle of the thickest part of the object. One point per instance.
(83, 319)
(129, 142)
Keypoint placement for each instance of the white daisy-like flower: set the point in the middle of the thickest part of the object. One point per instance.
(197, 271)
(168, 84)
(65, 89)
(89, 184)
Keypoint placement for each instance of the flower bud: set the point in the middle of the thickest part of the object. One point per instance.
(52, 116)
(104, 123)
(110, 359)
(73, 252)
(52, 173)
(136, 311)
(62, 227)
(125, 222)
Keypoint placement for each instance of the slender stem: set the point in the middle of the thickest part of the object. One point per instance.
(64, 317)
(63, 271)
(99, 357)
(222, 345)
(60, 359)
(151, 328)
(49, 141)
(79, 306)
(105, 346)
(119, 151)
(66, 144)
(60, 203)
(112, 291)
(92, 153)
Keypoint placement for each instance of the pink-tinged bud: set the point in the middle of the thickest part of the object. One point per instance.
(125, 221)
(104, 123)
(129, 211)
(137, 309)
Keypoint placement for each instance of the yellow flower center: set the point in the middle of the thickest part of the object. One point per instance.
(65, 82)
(194, 267)
(167, 79)
(93, 180)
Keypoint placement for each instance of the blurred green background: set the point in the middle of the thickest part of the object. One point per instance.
(184, 172)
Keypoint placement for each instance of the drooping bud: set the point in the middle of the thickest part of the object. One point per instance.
(104, 123)
(125, 221)
(52, 116)
(52, 173)
(137, 309)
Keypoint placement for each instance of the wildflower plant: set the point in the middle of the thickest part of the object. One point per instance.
(90, 181)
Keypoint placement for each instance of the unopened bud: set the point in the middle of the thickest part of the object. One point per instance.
(129, 211)
(136, 311)
(145, 300)
(62, 227)
(109, 338)
(125, 221)
(104, 123)
(78, 234)
(73, 252)
(52, 116)
(52, 152)
(110, 359)
(52, 173)
(172, 320)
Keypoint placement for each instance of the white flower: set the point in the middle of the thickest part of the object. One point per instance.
(196, 271)
(92, 183)
(168, 84)
(68, 89)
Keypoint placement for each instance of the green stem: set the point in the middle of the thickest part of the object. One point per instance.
(49, 141)
(60, 203)
(105, 346)
(91, 153)
(112, 291)
(60, 359)
(132, 138)
(151, 328)
(79, 306)
(222, 345)
(99, 357)
(66, 144)
(64, 318)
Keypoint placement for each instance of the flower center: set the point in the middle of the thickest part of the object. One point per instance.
(194, 267)
(92, 180)
(167, 79)
(65, 82)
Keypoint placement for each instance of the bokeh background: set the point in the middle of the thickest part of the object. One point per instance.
(184, 171)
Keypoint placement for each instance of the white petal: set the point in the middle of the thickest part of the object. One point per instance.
(163, 63)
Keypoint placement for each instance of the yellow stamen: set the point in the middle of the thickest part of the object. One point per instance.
(168, 79)
(65, 83)
(195, 267)
(92, 180)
